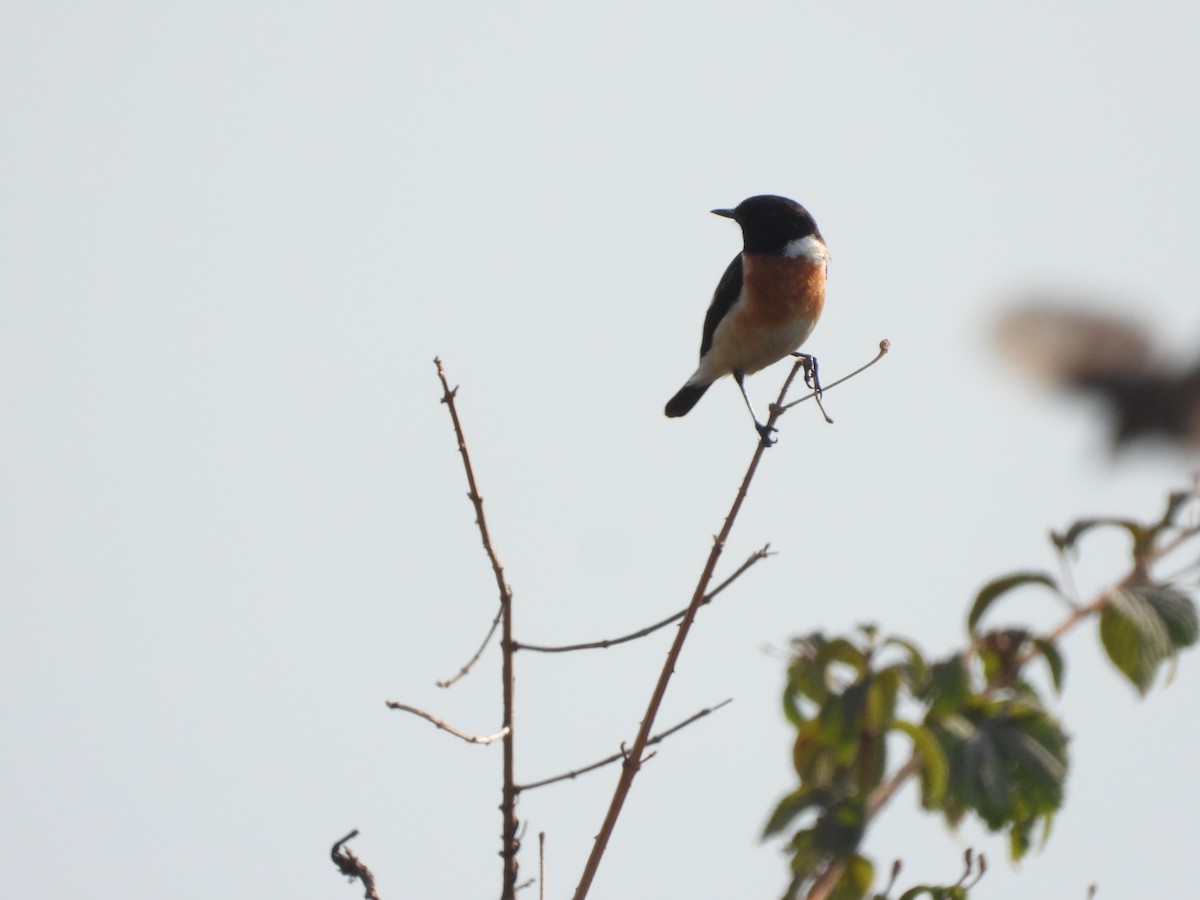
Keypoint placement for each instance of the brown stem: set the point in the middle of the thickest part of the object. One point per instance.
(509, 843)
(487, 639)
(650, 629)
(661, 736)
(541, 865)
(884, 346)
(469, 738)
(353, 867)
(633, 761)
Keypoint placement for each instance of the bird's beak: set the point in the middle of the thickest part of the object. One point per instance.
(727, 213)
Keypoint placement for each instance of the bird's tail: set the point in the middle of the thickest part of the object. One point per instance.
(689, 395)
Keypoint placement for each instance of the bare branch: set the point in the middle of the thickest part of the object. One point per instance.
(478, 653)
(884, 346)
(826, 882)
(882, 794)
(475, 497)
(541, 865)
(509, 842)
(650, 629)
(469, 738)
(352, 867)
(632, 764)
(623, 754)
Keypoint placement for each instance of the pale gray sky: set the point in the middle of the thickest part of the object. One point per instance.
(235, 236)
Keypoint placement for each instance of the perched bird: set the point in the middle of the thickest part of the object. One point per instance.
(767, 302)
(1113, 360)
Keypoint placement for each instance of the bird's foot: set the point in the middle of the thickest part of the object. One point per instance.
(764, 432)
(811, 378)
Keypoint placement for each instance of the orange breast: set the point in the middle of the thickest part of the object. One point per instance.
(778, 289)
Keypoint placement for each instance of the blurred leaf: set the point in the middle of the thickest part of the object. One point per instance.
(1066, 541)
(934, 769)
(806, 672)
(804, 862)
(1001, 652)
(812, 757)
(791, 707)
(949, 686)
(1176, 501)
(918, 668)
(841, 718)
(856, 879)
(1007, 763)
(1177, 611)
(935, 893)
(1054, 661)
(992, 591)
(839, 828)
(787, 810)
(841, 650)
(1143, 626)
(881, 700)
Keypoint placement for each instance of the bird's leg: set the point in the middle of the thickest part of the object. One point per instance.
(810, 371)
(764, 431)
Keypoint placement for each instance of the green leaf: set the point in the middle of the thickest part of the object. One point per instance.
(1049, 651)
(1007, 763)
(1143, 626)
(1135, 637)
(1176, 610)
(839, 829)
(856, 879)
(787, 810)
(993, 590)
(935, 893)
(1067, 540)
(918, 669)
(791, 707)
(934, 768)
(840, 650)
(949, 686)
(882, 692)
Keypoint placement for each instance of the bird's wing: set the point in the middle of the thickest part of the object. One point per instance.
(729, 288)
(1074, 346)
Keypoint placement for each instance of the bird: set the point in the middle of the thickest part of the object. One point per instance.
(1112, 359)
(765, 305)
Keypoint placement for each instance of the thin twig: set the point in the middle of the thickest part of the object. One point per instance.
(469, 738)
(622, 754)
(448, 397)
(650, 629)
(884, 346)
(882, 794)
(478, 653)
(541, 865)
(509, 842)
(352, 867)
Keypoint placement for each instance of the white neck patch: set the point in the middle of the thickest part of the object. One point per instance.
(807, 247)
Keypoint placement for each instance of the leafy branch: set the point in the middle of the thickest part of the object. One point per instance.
(983, 741)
